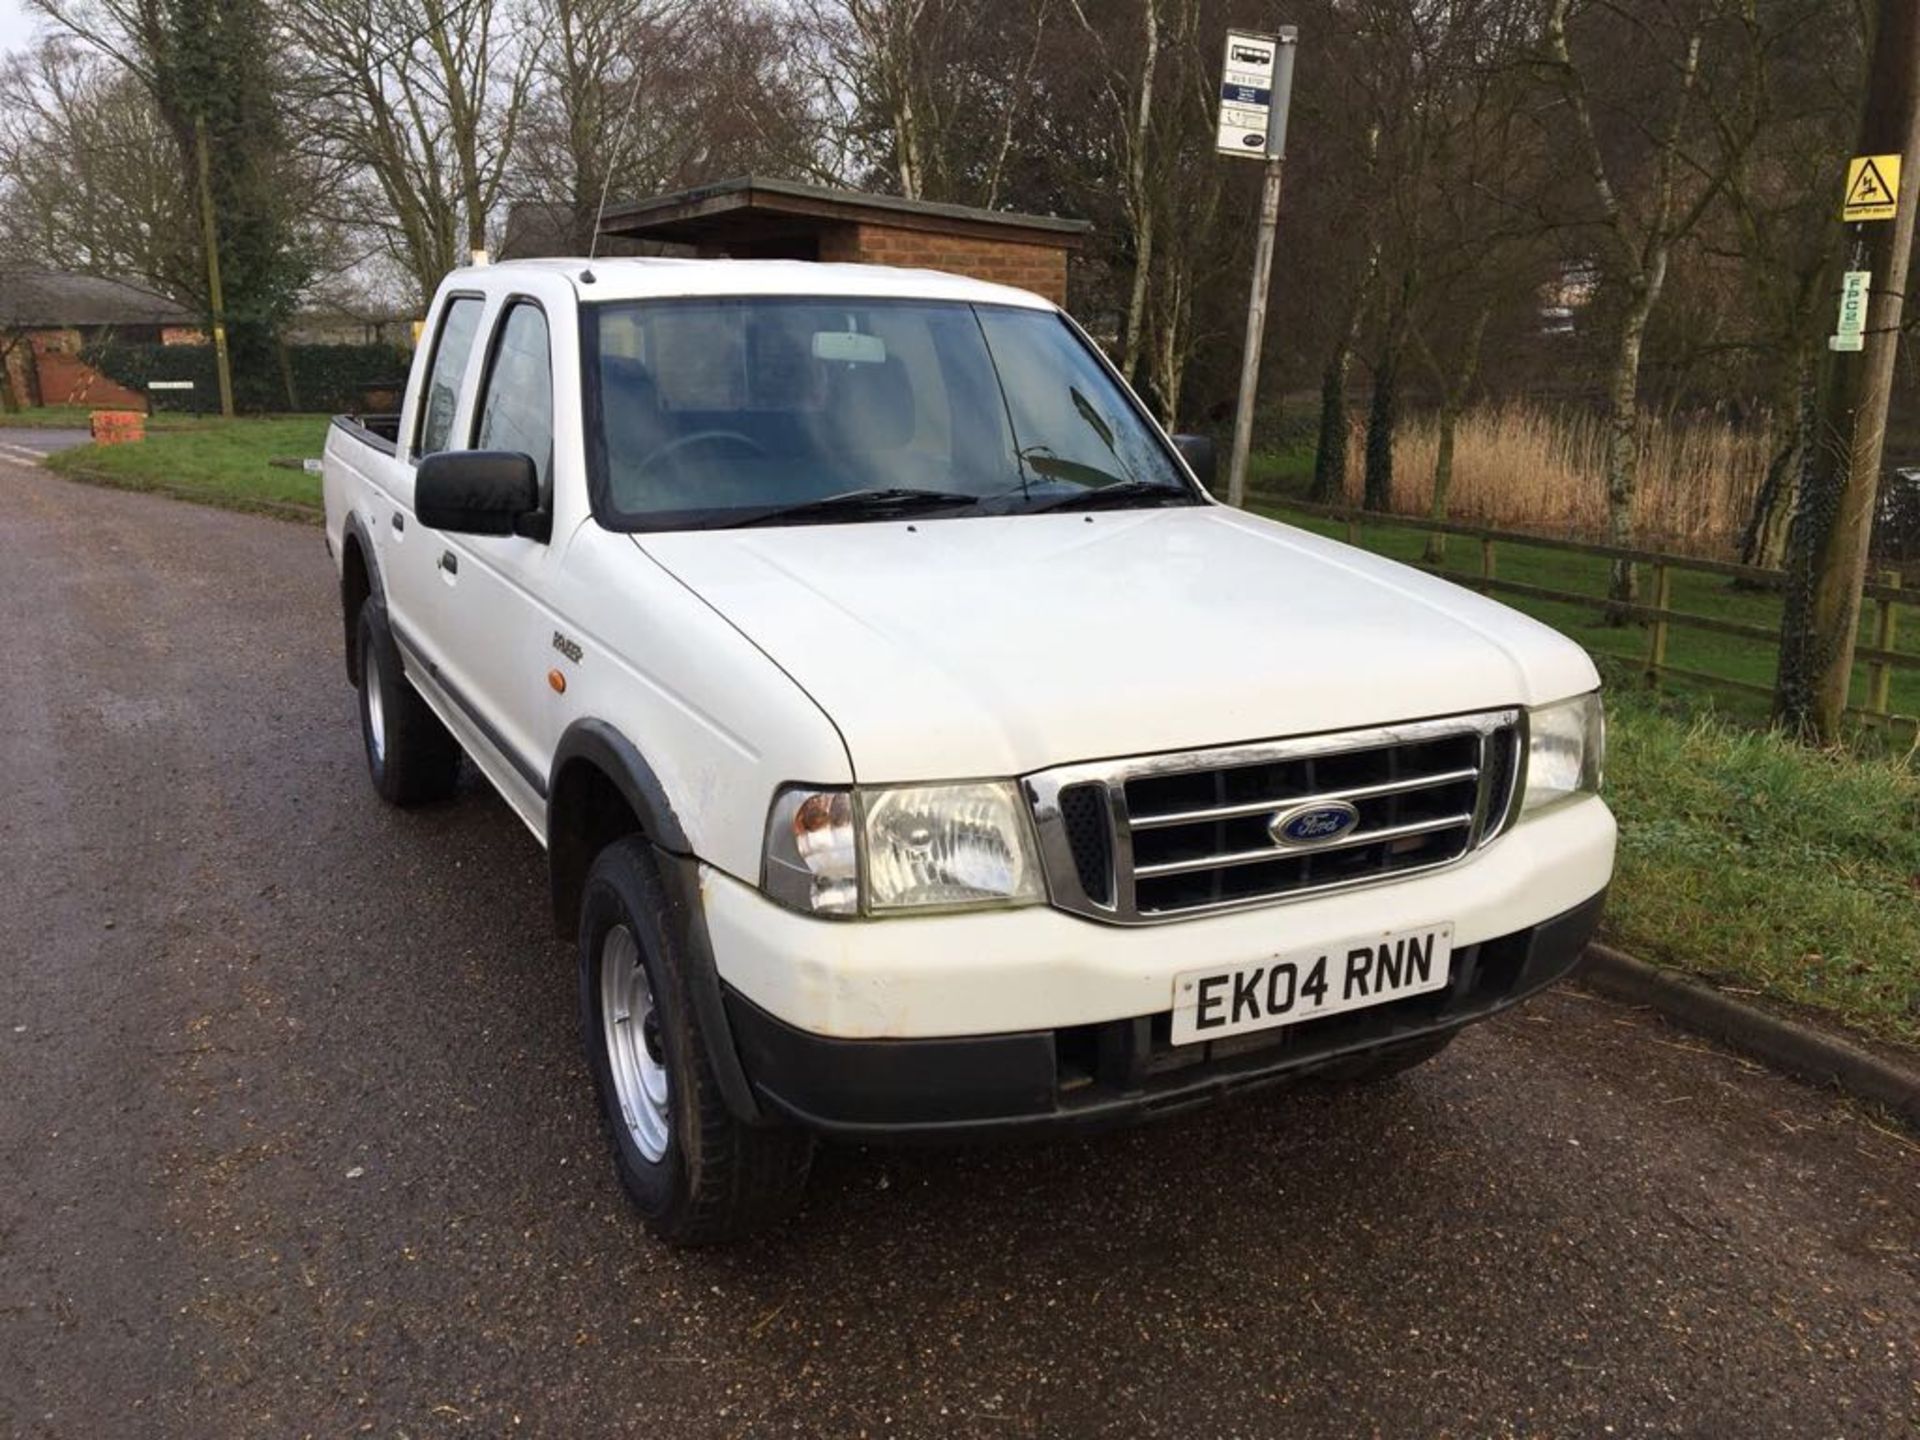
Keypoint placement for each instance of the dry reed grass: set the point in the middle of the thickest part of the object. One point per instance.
(1521, 466)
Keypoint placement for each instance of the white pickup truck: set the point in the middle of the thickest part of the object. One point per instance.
(917, 748)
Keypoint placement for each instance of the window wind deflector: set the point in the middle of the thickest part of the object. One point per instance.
(1119, 494)
(878, 504)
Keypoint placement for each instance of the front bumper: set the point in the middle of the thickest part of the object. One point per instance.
(1086, 1077)
(1039, 968)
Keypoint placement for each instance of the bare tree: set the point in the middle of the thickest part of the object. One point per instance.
(630, 99)
(1677, 182)
(930, 97)
(1127, 79)
(419, 102)
(1486, 172)
(89, 176)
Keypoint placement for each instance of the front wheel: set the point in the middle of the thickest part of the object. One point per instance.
(697, 1173)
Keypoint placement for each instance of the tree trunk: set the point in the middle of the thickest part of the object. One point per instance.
(1453, 402)
(1382, 416)
(1139, 202)
(1436, 552)
(1171, 348)
(1383, 413)
(907, 143)
(285, 358)
(1623, 444)
(10, 402)
(1330, 456)
(1330, 452)
(1764, 540)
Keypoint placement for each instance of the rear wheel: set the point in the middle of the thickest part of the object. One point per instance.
(697, 1173)
(412, 758)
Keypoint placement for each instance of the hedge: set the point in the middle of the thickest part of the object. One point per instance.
(325, 377)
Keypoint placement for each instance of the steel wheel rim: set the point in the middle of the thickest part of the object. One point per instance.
(636, 1056)
(376, 708)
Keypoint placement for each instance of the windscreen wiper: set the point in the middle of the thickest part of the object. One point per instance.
(876, 504)
(1121, 492)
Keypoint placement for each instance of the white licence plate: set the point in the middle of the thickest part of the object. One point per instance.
(1367, 970)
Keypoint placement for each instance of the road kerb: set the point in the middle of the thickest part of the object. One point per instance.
(1794, 1049)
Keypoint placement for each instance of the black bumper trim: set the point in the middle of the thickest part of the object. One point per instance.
(1090, 1077)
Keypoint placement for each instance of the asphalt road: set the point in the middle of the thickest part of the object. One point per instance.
(29, 447)
(295, 1138)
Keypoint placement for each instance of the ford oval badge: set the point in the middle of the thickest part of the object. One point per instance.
(1317, 824)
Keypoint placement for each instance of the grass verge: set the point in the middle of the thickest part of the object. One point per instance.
(46, 417)
(78, 417)
(217, 462)
(1770, 868)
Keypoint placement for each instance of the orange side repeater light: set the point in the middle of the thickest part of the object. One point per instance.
(557, 681)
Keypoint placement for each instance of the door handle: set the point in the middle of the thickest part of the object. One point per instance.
(449, 562)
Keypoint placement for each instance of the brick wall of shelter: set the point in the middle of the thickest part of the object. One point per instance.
(1039, 268)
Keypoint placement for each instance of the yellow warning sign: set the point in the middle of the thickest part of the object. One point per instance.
(1873, 188)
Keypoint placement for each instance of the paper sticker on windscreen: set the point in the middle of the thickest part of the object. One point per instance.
(849, 345)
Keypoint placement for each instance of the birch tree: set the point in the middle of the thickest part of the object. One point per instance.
(1126, 81)
(1640, 226)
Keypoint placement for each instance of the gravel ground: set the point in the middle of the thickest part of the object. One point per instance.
(295, 1138)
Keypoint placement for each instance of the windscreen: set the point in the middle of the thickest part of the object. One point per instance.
(713, 409)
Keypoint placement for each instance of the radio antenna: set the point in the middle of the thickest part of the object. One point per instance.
(613, 163)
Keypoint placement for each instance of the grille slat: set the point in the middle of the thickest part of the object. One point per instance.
(1287, 802)
(1229, 859)
(1188, 834)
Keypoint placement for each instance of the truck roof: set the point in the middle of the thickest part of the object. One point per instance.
(661, 277)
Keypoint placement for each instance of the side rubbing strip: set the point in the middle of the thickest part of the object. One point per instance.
(523, 767)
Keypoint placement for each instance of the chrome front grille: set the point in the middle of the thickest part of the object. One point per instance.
(1167, 836)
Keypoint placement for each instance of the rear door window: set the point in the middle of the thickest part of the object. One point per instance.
(516, 402)
(452, 348)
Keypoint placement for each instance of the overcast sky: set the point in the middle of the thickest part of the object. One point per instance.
(16, 30)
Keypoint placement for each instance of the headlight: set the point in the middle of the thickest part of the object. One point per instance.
(918, 847)
(1566, 750)
(948, 845)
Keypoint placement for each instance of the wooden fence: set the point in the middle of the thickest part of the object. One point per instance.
(1884, 595)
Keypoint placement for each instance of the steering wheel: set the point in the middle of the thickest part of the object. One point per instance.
(701, 437)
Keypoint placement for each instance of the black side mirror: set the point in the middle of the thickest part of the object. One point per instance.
(1197, 451)
(477, 492)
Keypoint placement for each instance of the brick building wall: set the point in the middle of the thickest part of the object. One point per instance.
(1039, 268)
(63, 378)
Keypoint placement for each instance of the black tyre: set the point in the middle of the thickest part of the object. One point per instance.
(411, 757)
(698, 1174)
(1381, 1065)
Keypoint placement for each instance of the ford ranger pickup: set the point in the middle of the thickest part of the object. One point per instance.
(917, 747)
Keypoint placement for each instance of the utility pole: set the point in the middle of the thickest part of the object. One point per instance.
(209, 234)
(1833, 523)
(1286, 46)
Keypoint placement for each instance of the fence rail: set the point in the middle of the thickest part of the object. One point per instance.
(1886, 595)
